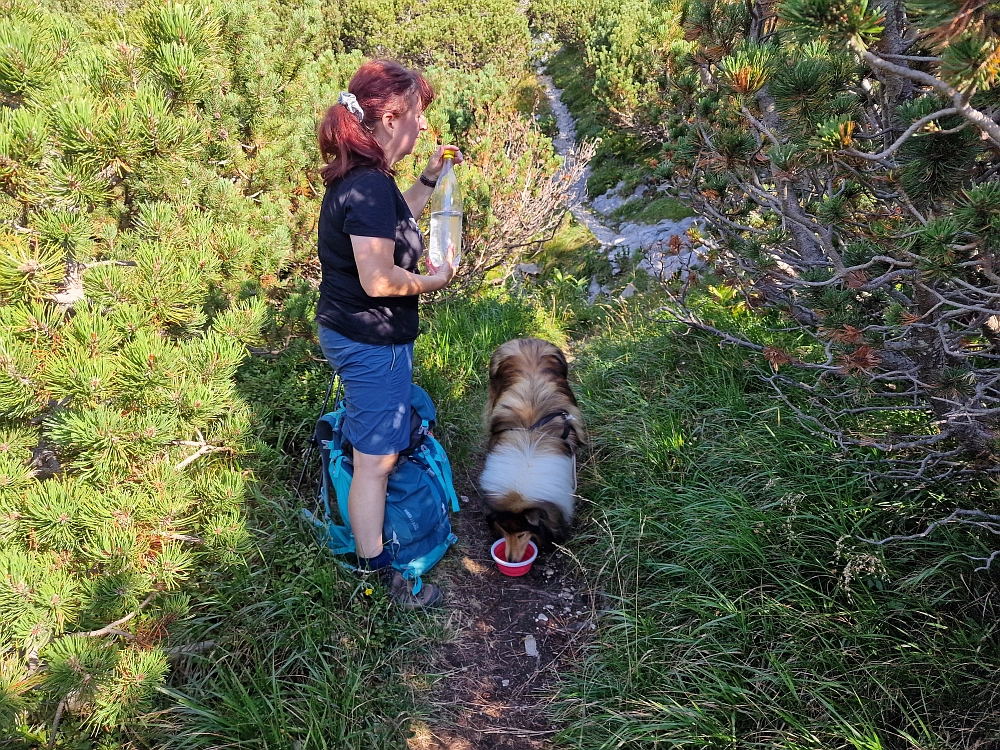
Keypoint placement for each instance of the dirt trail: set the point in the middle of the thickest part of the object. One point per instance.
(492, 695)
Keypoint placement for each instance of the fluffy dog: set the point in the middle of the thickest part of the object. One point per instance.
(535, 428)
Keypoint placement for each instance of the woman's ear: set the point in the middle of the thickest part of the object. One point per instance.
(389, 122)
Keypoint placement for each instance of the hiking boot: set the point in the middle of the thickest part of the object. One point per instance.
(401, 591)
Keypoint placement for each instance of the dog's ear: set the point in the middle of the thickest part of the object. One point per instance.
(561, 366)
(493, 523)
(537, 517)
(549, 526)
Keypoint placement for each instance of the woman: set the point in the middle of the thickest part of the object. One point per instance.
(369, 245)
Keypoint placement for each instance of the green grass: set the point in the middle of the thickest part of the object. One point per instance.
(645, 211)
(742, 610)
(451, 359)
(303, 657)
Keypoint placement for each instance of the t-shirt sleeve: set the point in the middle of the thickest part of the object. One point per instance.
(370, 207)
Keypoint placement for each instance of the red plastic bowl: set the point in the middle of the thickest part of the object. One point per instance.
(499, 552)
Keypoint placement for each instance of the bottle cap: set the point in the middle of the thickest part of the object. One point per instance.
(448, 153)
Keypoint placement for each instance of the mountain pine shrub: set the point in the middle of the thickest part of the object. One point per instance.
(848, 152)
(158, 196)
(133, 260)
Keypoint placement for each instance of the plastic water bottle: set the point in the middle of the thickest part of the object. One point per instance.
(446, 213)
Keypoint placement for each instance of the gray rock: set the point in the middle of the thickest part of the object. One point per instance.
(653, 240)
(596, 290)
(609, 201)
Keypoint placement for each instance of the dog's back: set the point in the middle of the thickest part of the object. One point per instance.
(528, 383)
(535, 428)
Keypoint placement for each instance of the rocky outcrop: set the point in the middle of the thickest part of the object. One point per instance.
(665, 246)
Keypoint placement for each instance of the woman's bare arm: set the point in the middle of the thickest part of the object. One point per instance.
(381, 277)
(416, 197)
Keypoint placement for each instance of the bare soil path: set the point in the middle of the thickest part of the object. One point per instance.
(493, 695)
(512, 637)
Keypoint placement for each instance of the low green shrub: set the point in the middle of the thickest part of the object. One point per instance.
(293, 650)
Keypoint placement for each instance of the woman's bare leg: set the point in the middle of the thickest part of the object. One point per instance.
(366, 502)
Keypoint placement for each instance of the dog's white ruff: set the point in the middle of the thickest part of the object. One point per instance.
(521, 468)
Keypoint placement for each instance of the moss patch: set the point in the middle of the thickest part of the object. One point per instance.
(646, 211)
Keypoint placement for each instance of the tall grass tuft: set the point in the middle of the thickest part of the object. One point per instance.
(741, 608)
(302, 654)
(451, 358)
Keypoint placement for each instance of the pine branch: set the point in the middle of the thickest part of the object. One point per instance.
(975, 518)
(910, 58)
(113, 628)
(72, 286)
(55, 723)
(181, 537)
(904, 137)
(759, 125)
(176, 652)
(203, 450)
(977, 118)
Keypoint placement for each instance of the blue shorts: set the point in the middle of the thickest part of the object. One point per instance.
(376, 380)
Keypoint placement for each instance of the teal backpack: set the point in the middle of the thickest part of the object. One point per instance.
(417, 527)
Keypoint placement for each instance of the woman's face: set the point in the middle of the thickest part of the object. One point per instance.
(404, 131)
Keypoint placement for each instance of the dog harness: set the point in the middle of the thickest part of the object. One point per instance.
(567, 417)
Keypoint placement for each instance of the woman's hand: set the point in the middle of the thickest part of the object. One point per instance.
(436, 163)
(447, 270)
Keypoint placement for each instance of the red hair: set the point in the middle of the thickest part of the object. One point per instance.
(381, 86)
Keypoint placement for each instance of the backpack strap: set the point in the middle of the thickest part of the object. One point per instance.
(337, 537)
(314, 441)
(414, 569)
(446, 483)
(336, 468)
(326, 426)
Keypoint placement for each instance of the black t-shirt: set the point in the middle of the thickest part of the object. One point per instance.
(365, 203)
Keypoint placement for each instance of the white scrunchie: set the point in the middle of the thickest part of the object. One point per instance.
(351, 102)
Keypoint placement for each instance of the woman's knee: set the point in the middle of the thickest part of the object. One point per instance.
(373, 466)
